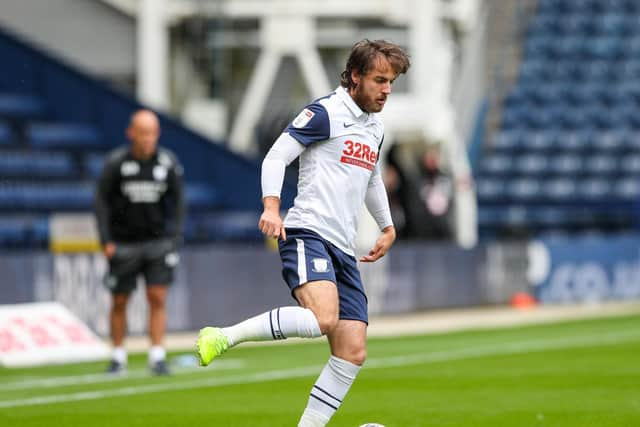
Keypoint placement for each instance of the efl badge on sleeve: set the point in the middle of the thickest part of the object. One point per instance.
(303, 118)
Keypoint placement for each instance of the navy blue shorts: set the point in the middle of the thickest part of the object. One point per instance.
(307, 257)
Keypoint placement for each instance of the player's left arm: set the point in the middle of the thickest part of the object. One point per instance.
(377, 204)
(176, 186)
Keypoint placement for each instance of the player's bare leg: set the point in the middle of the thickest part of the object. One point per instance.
(157, 297)
(321, 297)
(118, 324)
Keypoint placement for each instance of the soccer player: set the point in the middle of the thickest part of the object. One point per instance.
(140, 213)
(338, 140)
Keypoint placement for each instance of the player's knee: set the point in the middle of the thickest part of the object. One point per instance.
(356, 355)
(156, 301)
(327, 322)
(156, 297)
(119, 303)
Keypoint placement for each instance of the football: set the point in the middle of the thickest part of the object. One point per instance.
(371, 425)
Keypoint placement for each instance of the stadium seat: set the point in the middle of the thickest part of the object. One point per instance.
(601, 164)
(612, 23)
(490, 189)
(21, 106)
(577, 24)
(539, 141)
(13, 233)
(630, 164)
(605, 48)
(231, 226)
(42, 164)
(201, 196)
(48, 135)
(571, 118)
(595, 189)
(24, 231)
(497, 164)
(49, 197)
(575, 140)
(627, 189)
(599, 72)
(39, 235)
(565, 164)
(524, 190)
(507, 140)
(608, 141)
(6, 135)
(532, 164)
(545, 23)
(539, 118)
(549, 217)
(560, 189)
(533, 71)
(629, 70)
(93, 164)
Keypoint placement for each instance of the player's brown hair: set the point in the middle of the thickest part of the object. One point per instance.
(363, 58)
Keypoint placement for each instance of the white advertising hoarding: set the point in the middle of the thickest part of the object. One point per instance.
(45, 333)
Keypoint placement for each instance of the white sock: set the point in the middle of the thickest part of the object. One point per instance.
(156, 354)
(277, 324)
(311, 418)
(120, 355)
(328, 392)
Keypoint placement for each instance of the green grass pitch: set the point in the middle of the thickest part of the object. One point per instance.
(572, 374)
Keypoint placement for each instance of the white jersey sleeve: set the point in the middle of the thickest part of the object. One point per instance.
(376, 200)
(284, 151)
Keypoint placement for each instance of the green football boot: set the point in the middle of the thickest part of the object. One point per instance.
(211, 344)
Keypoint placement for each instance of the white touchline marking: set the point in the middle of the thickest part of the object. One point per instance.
(414, 359)
(71, 380)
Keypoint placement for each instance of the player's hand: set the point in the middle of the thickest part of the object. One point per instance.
(382, 246)
(271, 225)
(270, 222)
(109, 250)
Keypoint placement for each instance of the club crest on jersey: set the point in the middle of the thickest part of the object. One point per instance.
(303, 118)
(129, 168)
(319, 265)
(159, 173)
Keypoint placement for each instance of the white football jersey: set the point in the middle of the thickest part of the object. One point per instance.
(342, 145)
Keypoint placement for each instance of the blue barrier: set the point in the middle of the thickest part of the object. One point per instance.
(588, 269)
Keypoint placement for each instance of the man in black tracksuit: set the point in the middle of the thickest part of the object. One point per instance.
(140, 213)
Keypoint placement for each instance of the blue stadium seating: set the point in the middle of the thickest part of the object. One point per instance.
(202, 196)
(93, 163)
(43, 164)
(224, 226)
(21, 106)
(566, 156)
(19, 196)
(6, 134)
(74, 135)
(567, 164)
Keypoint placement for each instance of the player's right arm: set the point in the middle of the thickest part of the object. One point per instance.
(284, 151)
(310, 126)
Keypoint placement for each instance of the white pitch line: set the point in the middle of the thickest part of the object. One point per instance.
(414, 359)
(71, 380)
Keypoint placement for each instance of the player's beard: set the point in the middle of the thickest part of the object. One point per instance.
(366, 102)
